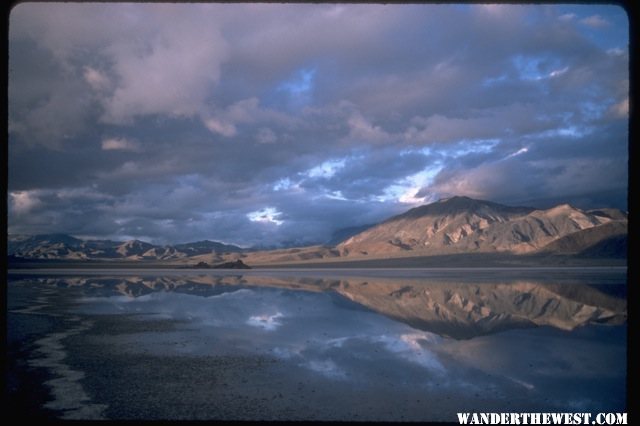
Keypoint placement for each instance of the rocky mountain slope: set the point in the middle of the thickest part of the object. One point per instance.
(465, 225)
(608, 239)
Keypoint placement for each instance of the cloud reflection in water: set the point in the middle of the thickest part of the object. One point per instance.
(534, 338)
(304, 327)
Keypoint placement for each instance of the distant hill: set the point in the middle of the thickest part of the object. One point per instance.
(205, 247)
(45, 246)
(66, 247)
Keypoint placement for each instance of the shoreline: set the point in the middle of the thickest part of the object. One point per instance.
(458, 261)
(424, 272)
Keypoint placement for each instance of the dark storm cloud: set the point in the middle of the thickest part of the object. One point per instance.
(267, 123)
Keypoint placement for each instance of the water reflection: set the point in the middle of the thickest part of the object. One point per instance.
(514, 342)
(460, 308)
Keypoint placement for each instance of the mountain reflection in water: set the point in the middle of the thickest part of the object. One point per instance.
(324, 345)
(460, 308)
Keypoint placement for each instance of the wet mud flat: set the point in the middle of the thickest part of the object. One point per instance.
(149, 386)
(40, 385)
(98, 373)
(25, 391)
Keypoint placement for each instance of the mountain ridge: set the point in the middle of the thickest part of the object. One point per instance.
(465, 225)
(64, 246)
(455, 225)
(457, 204)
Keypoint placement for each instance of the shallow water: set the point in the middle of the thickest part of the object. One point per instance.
(415, 345)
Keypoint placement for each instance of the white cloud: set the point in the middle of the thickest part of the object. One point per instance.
(558, 72)
(97, 80)
(518, 152)
(595, 21)
(616, 51)
(153, 78)
(470, 146)
(220, 126)
(266, 215)
(247, 111)
(327, 169)
(621, 109)
(22, 202)
(362, 129)
(165, 58)
(407, 190)
(119, 144)
(283, 184)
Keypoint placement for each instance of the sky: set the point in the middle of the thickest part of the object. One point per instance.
(279, 124)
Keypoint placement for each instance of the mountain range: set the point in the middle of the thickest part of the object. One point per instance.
(452, 226)
(62, 246)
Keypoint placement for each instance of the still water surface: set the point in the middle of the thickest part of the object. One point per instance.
(392, 345)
